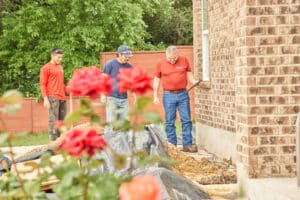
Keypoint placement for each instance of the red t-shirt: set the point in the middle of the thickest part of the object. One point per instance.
(173, 76)
(52, 81)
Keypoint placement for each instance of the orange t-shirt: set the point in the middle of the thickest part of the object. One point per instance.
(173, 76)
(52, 81)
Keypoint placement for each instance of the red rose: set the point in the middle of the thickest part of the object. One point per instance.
(93, 141)
(144, 187)
(78, 141)
(73, 142)
(134, 79)
(89, 81)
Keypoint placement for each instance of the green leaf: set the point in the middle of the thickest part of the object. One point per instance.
(73, 117)
(141, 154)
(11, 108)
(142, 103)
(63, 169)
(95, 163)
(12, 97)
(166, 160)
(32, 187)
(148, 160)
(67, 179)
(95, 119)
(120, 161)
(105, 186)
(84, 103)
(4, 138)
(45, 160)
(152, 159)
(31, 164)
(152, 117)
(121, 125)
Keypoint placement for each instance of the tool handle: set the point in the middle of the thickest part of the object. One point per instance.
(194, 85)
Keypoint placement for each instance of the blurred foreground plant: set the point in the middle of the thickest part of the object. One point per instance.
(76, 179)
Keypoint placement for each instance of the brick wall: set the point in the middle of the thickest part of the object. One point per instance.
(215, 102)
(273, 86)
(33, 117)
(255, 84)
(216, 106)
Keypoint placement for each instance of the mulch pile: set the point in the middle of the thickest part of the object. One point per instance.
(203, 171)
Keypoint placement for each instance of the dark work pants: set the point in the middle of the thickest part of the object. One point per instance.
(57, 111)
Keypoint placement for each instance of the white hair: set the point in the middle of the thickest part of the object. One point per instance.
(171, 50)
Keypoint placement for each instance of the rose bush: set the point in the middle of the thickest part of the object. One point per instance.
(134, 79)
(79, 147)
(77, 142)
(89, 81)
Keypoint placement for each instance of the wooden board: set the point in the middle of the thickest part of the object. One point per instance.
(27, 171)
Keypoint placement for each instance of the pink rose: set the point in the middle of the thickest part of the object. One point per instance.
(144, 187)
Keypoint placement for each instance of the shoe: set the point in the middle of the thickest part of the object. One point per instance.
(191, 149)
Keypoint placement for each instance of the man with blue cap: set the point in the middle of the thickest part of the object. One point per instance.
(117, 103)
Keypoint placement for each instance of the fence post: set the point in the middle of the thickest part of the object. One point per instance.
(298, 148)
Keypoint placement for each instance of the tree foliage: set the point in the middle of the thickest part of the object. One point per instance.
(83, 29)
(171, 25)
(31, 28)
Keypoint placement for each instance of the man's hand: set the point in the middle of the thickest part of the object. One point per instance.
(134, 98)
(46, 103)
(156, 100)
(103, 99)
(196, 82)
(156, 82)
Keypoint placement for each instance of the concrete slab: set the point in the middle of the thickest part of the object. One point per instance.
(273, 189)
(216, 141)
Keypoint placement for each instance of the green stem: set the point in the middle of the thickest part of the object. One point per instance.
(85, 190)
(3, 124)
(133, 150)
(85, 165)
(20, 180)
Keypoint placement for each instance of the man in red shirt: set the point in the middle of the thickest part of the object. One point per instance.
(174, 72)
(53, 91)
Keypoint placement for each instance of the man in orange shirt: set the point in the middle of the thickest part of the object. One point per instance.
(174, 72)
(53, 91)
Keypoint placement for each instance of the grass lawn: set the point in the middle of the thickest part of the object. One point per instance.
(29, 140)
(178, 127)
(43, 138)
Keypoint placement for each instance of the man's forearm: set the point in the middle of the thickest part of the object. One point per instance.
(156, 82)
(191, 78)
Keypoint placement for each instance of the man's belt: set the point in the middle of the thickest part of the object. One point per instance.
(175, 91)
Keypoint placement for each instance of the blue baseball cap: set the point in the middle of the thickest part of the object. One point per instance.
(125, 51)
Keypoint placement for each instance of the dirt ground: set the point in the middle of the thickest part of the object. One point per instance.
(217, 178)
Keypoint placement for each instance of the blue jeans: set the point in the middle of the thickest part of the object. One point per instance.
(116, 109)
(181, 102)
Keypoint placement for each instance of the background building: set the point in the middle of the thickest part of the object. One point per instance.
(248, 53)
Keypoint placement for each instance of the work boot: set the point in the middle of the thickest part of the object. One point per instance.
(190, 149)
